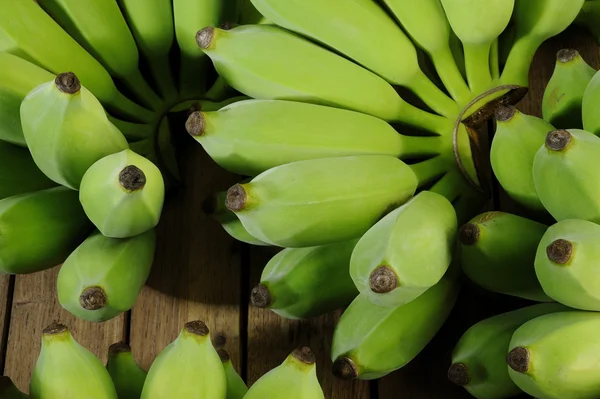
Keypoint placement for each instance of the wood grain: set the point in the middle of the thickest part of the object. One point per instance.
(34, 307)
(271, 338)
(5, 303)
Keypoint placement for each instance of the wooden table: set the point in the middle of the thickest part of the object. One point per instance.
(200, 273)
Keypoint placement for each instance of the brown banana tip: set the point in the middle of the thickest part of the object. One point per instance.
(197, 327)
(345, 369)
(236, 198)
(260, 296)
(68, 83)
(567, 54)
(227, 25)
(119, 347)
(205, 36)
(469, 234)
(383, 280)
(195, 124)
(132, 178)
(55, 328)
(558, 140)
(93, 298)
(560, 251)
(224, 355)
(458, 374)
(518, 359)
(304, 355)
(505, 113)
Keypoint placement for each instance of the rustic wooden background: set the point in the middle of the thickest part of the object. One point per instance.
(200, 273)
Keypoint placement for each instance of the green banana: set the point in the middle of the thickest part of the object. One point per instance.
(17, 78)
(295, 378)
(588, 18)
(497, 252)
(495, 59)
(18, 172)
(103, 277)
(433, 36)
(566, 263)
(132, 131)
(479, 357)
(151, 23)
(517, 139)
(301, 283)
(40, 229)
(321, 201)
(382, 48)
(123, 194)
(563, 96)
(65, 369)
(236, 387)
(99, 27)
(565, 177)
(478, 25)
(406, 252)
(40, 37)
(276, 69)
(250, 137)
(249, 15)
(67, 130)
(535, 22)
(8, 390)
(188, 367)
(125, 374)
(554, 356)
(371, 341)
(591, 96)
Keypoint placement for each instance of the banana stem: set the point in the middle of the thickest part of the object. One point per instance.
(449, 186)
(516, 70)
(130, 109)
(420, 146)
(433, 97)
(495, 60)
(431, 169)
(418, 118)
(192, 81)
(477, 63)
(132, 131)
(448, 71)
(161, 73)
(137, 84)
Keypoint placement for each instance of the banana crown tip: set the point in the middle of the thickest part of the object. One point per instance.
(93, 298)
(305, 355)
(469, 234)
(504, 113)
(68, 83)
(567, 54)
(458, 374)
(260, 296)
(119, 347)
(55, 328)
(236, 198)
(204, 37)
(195, 124)
(560, 251)
(558, 140)
(518, 359)
(132, 178)
(345, 369)
(224, 355)
(197, 327)
(383, 280)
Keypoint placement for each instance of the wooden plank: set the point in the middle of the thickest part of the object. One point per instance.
(271, 338)
(5, 302)
(34, 307)
(196, 274)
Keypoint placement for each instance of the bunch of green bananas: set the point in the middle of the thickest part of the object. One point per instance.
(189, 367)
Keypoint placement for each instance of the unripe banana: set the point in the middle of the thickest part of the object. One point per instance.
(66, 129)
(565, 176)
(249, 15)
(300, 283)
(127, 377)
(497, 252)
(40, 229)
(17, 78)
(406, 252)
(321, 201)
(188, 367)
(295, 378)
(123, 194)
(103, 277)
(479, 357)
(65, 369)
(250, 137)
(18, 173)
(8, 390)
(276, 69)
(371, 341)
(591, 96)
(563, 96)
(382, 48)
(236, 387)
(588, 18)
(554, 356)
(566, 263)
(517, 139)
